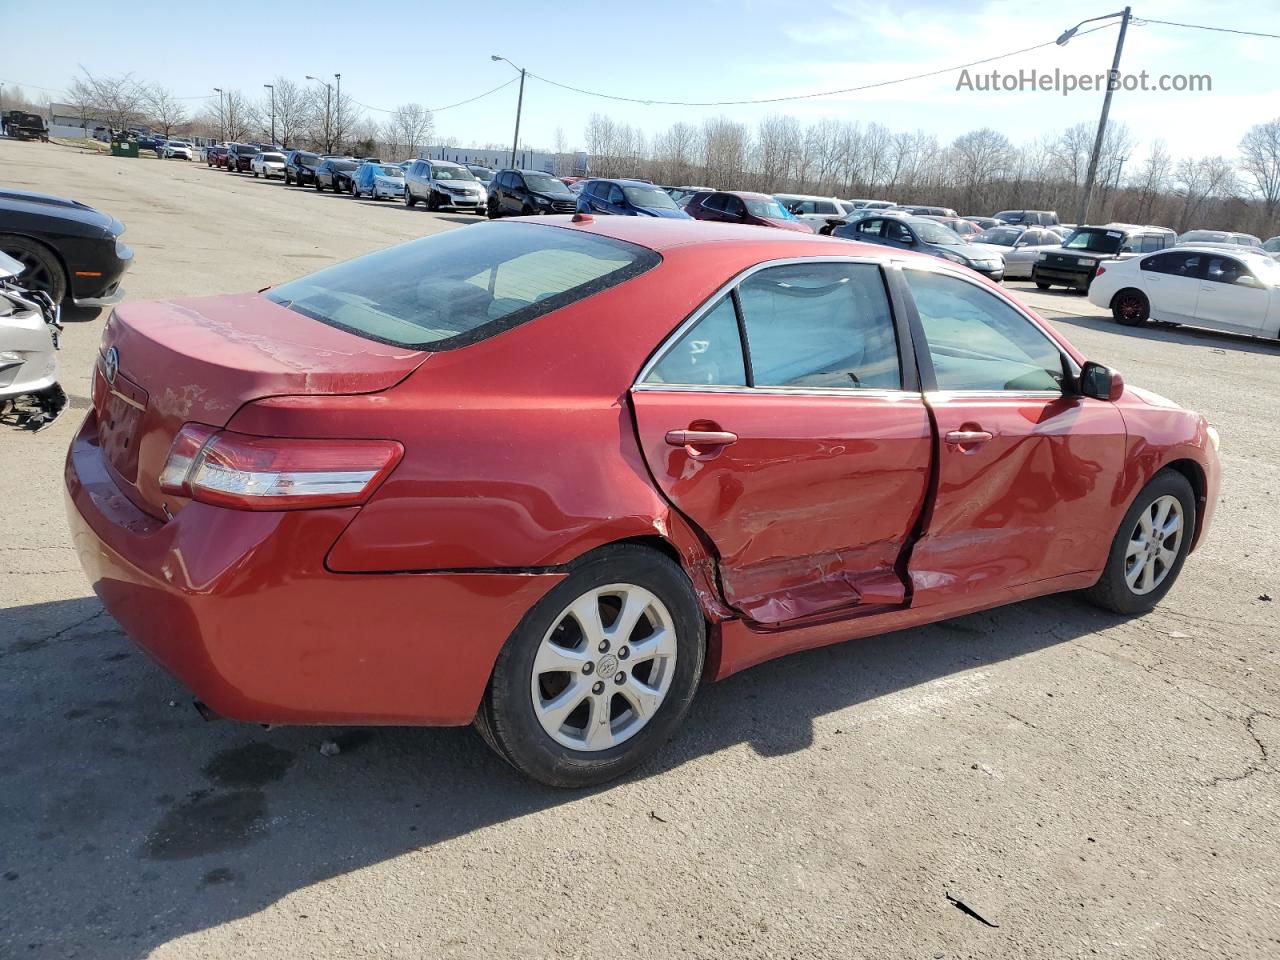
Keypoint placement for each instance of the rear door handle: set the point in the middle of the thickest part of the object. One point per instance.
(964, 437)
(701, 438)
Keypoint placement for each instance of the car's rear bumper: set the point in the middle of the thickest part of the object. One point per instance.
(239, 606)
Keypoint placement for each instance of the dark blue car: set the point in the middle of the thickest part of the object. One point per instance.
(628, 198)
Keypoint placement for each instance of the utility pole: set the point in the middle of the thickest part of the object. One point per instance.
(328, 117)
(222, 118)
(272, 88)
(1113, 80)
(515, 143)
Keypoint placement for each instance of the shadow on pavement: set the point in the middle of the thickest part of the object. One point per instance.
(129, 822)
(1174, 333)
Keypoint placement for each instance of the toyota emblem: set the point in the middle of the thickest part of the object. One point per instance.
(111, 365)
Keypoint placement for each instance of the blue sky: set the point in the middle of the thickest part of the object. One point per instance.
(712, 50)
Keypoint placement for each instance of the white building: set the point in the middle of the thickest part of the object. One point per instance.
(561, 165)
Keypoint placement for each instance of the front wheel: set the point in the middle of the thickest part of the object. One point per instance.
(410, 201)
(599, 673)
(1041, 285)
(1130, 307)
(319, 188)
(1149, 548)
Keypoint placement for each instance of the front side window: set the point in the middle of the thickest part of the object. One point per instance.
(708, 353)
(870, 228)
(715, 202)
(615, 194)
(979, 342)
(820, 325)
(456, 288)
(1224, 270)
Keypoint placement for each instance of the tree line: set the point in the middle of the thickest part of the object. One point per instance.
(977, 173)
(300, 115)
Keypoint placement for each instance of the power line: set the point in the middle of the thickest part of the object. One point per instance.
(809, 96)
(460, 103)
(1197, 26)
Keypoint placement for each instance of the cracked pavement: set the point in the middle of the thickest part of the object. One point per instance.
(1095, 786)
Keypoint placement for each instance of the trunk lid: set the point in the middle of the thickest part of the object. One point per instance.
(165, 364)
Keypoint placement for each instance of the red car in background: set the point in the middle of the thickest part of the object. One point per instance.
(545, 477)
(216, 156)
(756, 209)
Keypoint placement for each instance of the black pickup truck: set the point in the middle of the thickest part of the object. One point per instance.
(24, 126)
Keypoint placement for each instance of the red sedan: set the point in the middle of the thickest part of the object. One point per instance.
(757, 209)
(548, 476)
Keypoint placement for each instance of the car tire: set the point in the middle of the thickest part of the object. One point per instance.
(319, 188)
(1130, 307)
(43, 268)
(1041, 285)
(516, 722)
(410, 201)
(433, 202)
(1124, 586)
(491, 210)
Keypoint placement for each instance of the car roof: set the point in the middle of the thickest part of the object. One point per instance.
(1210, 246)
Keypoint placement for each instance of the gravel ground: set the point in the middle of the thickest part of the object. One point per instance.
(1089, 786)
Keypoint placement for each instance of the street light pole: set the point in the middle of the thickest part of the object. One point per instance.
(328, 127)
(272, 88)
(222, 117)
(515, 142)
(338, 109)
(1113, 80)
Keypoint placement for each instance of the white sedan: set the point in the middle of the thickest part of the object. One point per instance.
(267, 164)
(1238, 292)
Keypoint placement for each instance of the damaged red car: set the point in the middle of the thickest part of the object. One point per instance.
(547, 477)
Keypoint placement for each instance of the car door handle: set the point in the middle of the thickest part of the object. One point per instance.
(1207, 286)
(701, 438)
(965, 437)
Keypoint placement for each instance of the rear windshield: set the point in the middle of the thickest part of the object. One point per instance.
(462, 286)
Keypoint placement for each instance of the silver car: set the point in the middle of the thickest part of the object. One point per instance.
(1020, 246)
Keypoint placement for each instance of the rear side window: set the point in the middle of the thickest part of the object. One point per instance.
(820, 325)
(709, 352)
(463, 286)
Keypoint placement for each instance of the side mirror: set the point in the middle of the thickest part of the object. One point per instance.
(1248, 280)
(1101, 383)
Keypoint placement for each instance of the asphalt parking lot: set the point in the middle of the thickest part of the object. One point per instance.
(1088, 786)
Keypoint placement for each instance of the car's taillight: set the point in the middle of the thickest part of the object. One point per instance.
(1101, 270)
(274, 473)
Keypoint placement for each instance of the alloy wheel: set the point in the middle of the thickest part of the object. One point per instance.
(1153, 545)
(604, 668)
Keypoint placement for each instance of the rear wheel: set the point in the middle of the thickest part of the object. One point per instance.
(599, 673)
(319, 188)
(43, 269)
(1041, 285)
(1149, 548)
(1130, 307)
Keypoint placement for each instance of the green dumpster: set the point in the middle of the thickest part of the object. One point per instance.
(124, 148)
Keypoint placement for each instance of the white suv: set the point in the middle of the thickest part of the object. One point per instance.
(440, 183)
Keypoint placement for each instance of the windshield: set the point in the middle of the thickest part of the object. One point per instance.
(1203, 236)
(1000, 236)
(273, 157)
(650, 197)
(1272, 245)
(440, 172)
(931, 232)
(1095, 241)
(459, 287)
(541, 183)
(386, 171)
(768, 209)
(343, 164)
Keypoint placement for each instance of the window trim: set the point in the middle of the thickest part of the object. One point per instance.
(903, 335)
(924, 359)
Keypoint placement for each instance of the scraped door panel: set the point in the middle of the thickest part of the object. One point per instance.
(810, 507)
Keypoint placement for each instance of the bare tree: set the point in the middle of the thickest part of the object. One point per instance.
(292, 110)
(1199, 180)
(81, 96)
(1260, 160)
(1152, 180)
(164, 110)
(411, 126)
(119, 99)
(981, 157)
